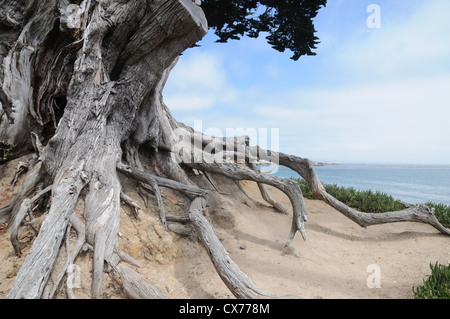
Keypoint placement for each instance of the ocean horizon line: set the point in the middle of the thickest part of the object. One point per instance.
(413, 183)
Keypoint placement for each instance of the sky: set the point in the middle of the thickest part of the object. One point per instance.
(378, 90)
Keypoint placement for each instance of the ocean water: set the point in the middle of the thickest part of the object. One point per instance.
(409, 183)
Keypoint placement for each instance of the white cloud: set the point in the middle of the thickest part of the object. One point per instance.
(189, 103)
(199, 81)
(382, 122)
(200, 69)
(410, 117)
(397, 110)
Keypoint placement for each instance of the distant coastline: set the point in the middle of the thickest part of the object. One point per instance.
(324, 163)
(412, 184)
(315, 163)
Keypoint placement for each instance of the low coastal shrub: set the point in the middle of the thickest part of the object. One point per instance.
(372, 202)
(442, 213)
(437, 285)
(367, 201)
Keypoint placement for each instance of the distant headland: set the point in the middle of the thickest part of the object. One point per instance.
(315, 163)
(324, 163)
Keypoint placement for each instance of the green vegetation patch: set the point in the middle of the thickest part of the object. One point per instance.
(366, 201)
(437, 285)
(442, 213)
(370, 201)
(6, 153)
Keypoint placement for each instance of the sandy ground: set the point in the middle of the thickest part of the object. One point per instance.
(339, 259)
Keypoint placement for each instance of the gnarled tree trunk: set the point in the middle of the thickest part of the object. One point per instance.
(81, 85)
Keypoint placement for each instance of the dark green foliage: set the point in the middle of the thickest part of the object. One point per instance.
(442, 213)
(6, 153)
(437, 285)
(372, 202)
(289, 23)
(367, 201)
(306, 189)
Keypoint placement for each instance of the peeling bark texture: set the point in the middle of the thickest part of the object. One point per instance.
(80, 86)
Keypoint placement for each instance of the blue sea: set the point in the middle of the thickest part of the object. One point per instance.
(409, 183)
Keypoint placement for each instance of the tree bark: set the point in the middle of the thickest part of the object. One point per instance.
(239, 283)
(80, 85)
(116, 65)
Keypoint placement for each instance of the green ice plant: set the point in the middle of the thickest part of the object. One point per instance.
(372, 202)
(437, 285)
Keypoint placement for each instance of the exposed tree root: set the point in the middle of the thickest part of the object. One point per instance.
(211, 181)
(37, 267)
(266, 196)
(23, 211)
(290, 188)
(414, 213)
(227, 147)
(131, 203)
(161, 181)
(79, 227)
(155, 188)
(29, 185)
(137, 286)
(93, 92)
(104, 204)
(238, 282)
